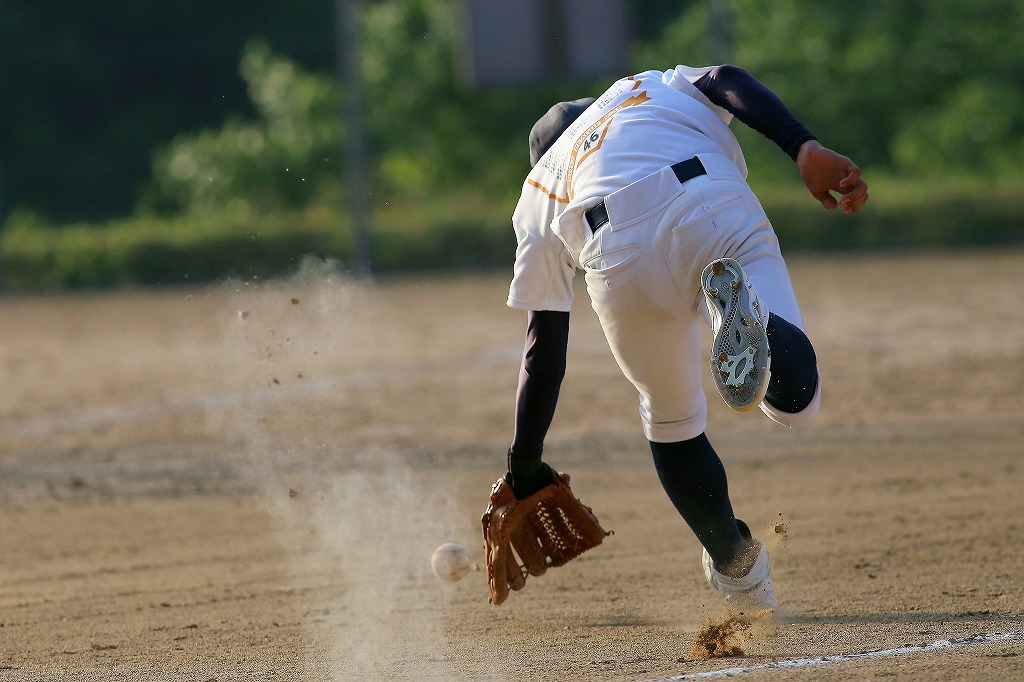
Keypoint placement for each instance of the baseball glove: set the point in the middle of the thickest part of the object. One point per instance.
(547, 529)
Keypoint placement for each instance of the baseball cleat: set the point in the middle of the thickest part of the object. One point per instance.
(750, 595)
(740, 356)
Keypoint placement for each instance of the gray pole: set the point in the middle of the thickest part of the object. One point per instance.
(347, 33)
(3, 212)
(720, 31)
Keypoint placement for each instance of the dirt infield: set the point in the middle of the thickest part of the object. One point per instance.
(245, 482)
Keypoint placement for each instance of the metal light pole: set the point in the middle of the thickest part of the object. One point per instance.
(350, 74)
(3, 211)
(720, 31)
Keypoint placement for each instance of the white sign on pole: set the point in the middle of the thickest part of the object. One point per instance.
(519, 42)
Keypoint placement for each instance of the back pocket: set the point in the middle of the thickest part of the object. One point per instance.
(613, 269)
(715, 209)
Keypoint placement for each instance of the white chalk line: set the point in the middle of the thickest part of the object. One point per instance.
(823, 660)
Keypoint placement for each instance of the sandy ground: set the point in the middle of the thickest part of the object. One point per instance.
(245, 482)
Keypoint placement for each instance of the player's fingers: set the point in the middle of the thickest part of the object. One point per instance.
(826, 199)
(854, 192)
(853, 201)
(852, 177)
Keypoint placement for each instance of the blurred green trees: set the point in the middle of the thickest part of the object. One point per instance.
(921, 88)
(89, 90)
(427, 134)
(281, 160)
(92, 94)
(223, 123)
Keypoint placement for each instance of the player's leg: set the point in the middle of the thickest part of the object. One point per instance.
(645, 298)
(734, 562)
(648, 312)
(654, 335)
(694, 479)
(793, 393)
(794, 382)
(757, 322)
(659, 352)
(745, 284)
(659, 356)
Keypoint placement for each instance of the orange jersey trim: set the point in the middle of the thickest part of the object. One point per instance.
(603, 122)
(550, 195)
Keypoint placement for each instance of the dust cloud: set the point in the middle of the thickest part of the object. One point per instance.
(359, 516)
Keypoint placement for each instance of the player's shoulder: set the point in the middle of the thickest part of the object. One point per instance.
(650, 74)
(670, 75)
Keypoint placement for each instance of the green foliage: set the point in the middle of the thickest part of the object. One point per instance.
(929, 91)
(981, 129)
(953, 212)
(90, 89)
(153, 250)
(283, 161)
(465, 231)
(922, 88)
(428, 135)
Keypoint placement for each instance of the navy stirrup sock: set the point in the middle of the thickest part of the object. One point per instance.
(694, 479)
(794, 367)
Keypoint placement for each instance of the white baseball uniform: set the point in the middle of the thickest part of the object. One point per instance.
(643, 267)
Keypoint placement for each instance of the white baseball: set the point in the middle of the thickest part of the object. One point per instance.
(451, 562)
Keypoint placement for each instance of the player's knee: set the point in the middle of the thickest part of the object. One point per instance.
(798, 419)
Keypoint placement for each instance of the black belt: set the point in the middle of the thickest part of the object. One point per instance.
(597, 217)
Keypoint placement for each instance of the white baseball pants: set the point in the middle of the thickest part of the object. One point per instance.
(643, 275)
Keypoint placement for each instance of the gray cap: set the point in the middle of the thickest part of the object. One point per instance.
(552, 124)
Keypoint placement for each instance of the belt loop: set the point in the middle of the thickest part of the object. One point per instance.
(597, 217)
(689, 169)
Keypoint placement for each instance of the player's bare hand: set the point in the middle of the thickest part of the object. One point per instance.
(825, 171)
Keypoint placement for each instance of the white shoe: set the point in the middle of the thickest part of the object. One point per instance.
(750, 595)
(740, 356)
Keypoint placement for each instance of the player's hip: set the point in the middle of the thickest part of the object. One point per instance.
(673, 187)
(663, 230)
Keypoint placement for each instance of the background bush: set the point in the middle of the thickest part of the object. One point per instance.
(926, 96)
(470, 232)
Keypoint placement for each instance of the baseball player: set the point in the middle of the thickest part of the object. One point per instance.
(643, 188)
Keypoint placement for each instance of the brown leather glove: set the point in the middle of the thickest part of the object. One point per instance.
(547, 529)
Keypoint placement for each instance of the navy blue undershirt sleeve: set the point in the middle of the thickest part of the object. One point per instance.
(749, 100)
(540, 378)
